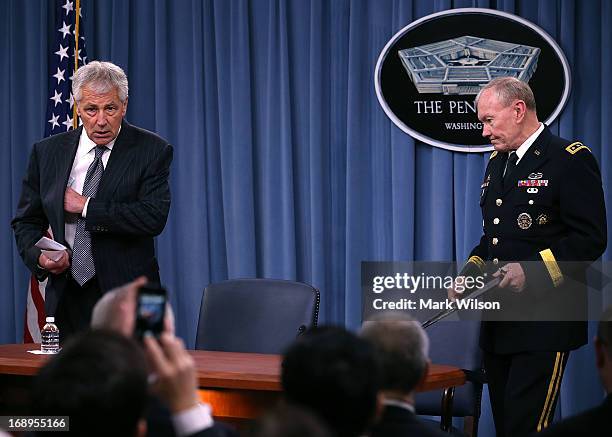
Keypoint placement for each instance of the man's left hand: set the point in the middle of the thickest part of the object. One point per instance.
(514, 277)
(175, 369)
(73, 201)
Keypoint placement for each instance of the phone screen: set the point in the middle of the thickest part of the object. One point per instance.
(150, 311)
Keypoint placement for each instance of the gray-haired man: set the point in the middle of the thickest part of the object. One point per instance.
(103, 189)
(402, 347)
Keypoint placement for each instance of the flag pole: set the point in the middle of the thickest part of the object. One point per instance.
(75, 117)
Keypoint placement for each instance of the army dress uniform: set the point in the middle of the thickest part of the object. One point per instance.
(548, 210)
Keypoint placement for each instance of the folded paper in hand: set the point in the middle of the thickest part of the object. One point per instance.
(51, 248)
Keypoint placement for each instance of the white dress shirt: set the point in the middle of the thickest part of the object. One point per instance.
(399, 404)
(520, 152)
(85, 155)
(195, 419)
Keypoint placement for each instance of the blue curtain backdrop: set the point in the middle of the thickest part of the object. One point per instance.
(285, 165)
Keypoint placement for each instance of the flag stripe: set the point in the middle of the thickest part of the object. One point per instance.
(67, 54)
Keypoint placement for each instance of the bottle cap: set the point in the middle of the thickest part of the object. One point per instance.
(50, 319)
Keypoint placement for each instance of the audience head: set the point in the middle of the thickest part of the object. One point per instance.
(289, 421)
(335, 374)
(402, 348)
(603, 349)
(116, 310)
(99, 380)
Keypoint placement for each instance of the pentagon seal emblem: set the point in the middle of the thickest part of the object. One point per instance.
(428, 74)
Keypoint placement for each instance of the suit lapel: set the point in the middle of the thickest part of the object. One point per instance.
(120, 160)
(532, 160)
(62, 166)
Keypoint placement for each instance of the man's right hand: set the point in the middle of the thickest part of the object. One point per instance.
(175, 369)
(55, 267)
(454, 292)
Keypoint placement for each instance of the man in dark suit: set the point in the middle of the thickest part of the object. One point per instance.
(402, 347)
(544, 221)
(596, 421)
(103, 189)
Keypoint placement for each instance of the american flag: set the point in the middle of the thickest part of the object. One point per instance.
(61, 117)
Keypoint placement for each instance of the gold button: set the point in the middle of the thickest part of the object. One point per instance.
(495, 221)
(495, 261)
(495, 241)
(498, 202)
(531, 201)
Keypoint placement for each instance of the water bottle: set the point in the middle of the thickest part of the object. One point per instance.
(50, 337)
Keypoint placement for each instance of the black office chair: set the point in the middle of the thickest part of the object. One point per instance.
(255, 315)
(456, 344)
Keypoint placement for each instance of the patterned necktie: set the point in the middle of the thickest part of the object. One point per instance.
(83, 268)
(510, 166)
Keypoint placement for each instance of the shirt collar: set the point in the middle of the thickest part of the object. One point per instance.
(399, 404)
(520, 152)
(86, 145)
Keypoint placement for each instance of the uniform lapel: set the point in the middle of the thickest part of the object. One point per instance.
(497, 170)
(532, 160)
(120, 160)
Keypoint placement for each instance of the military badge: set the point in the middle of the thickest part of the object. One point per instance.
(533, 183)
(524, 220)
(542, 219)
(532, 190)
(486, 182)
(535, 176)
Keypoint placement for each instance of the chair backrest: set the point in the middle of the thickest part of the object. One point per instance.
(455, 343)
(255, 315)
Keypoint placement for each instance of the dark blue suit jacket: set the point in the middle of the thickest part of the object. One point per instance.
(399, 422)
(130, 207)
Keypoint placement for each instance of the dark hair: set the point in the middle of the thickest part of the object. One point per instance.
(99, 380)
(287, 420)
(335, 374)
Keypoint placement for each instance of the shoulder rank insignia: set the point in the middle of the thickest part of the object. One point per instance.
(493, 155)
(576, 147)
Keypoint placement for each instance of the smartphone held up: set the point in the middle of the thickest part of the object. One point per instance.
(150, 311)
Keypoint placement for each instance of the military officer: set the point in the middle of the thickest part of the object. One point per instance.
(542, 205)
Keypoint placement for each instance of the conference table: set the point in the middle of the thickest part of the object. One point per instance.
(239, 386)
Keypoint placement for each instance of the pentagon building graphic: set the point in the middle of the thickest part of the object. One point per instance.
(463, 65)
